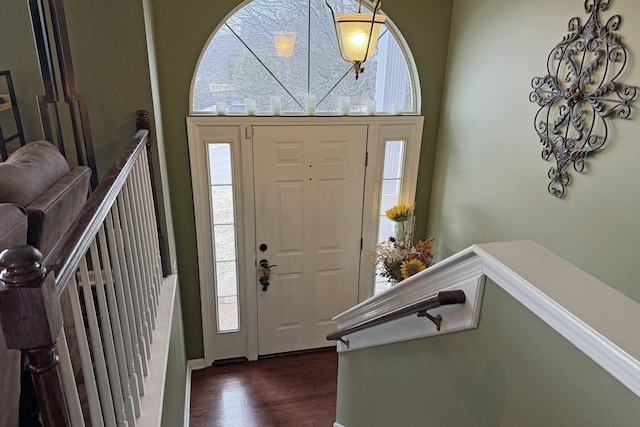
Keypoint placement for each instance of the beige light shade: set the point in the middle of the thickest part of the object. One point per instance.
(285, 42)
(354, 32)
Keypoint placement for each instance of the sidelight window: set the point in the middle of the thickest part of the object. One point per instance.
(393, 167)
(224, 237)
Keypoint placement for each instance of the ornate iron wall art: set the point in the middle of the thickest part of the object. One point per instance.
(581, 94)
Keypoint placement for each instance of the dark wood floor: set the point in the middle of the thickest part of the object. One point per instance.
(285, 391)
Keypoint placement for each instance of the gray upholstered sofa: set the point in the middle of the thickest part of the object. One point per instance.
(39, 198)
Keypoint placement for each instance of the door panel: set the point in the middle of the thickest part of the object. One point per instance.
(309, 183)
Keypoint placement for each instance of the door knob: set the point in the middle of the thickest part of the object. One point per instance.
(264, 272)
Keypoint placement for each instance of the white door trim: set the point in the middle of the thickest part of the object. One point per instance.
(237, 130)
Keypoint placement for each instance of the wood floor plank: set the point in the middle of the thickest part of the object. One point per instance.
(286, 391)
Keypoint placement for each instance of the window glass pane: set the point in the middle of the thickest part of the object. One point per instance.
(220, 164)
(224, 237)
(222, 204)
(393, 85)
(226, 278)
(385, 229)
(391, 187)
(388, 201)
(242, 61)
(393, 159)
(225, 243)
(228, 314)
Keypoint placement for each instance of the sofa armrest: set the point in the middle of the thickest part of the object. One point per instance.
(51, 214)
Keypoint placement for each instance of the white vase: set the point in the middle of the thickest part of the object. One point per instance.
(401, 232)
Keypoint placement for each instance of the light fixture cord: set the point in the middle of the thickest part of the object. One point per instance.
(376, 8)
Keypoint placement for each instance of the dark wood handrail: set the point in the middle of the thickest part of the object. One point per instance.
(443, 298)
(74, 243)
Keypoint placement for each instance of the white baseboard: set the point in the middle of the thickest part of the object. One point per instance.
(195, 364)
(192, 365)
(337, 425)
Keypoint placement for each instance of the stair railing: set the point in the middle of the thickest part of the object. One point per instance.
(109, 264)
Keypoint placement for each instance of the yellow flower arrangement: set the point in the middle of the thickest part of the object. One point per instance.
(398, 258)
(402, 216)
(399, 213)
(411, 267)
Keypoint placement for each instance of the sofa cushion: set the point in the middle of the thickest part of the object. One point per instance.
(29, 171)
(13, 226)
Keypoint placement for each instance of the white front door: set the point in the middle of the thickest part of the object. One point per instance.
(309, 186)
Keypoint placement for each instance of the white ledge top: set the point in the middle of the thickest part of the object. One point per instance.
(608, 312)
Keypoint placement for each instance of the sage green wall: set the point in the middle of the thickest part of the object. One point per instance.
(160, 158)
(490, 182)
(182, 29)
(109, 52)
(18, 55)
(176, 379)
(103, 37)
(512, 371)
(112, 61)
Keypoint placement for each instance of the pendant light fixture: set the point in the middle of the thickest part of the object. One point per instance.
(357, 33)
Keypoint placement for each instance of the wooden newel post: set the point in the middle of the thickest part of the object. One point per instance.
(142, 120)
(31, 320)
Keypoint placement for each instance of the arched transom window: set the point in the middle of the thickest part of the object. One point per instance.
(288, 49)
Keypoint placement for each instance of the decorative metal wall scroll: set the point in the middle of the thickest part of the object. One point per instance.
(581, 94)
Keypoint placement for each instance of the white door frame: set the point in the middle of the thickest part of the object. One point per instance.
(237, 131)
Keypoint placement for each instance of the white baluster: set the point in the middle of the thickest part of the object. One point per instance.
(69, 381)
(134, 277)
(151, 213)
(99, 363)
(126, 310)
(134, 234)
(142, 238)
(108, 328)
(95, 408)
(148, 232)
